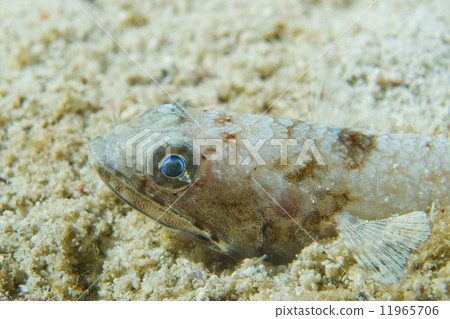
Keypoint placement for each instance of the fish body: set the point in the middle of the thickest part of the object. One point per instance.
(270, 186)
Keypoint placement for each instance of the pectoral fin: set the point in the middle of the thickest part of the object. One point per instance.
(383, 246)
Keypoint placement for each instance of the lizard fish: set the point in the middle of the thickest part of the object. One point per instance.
(271, 186)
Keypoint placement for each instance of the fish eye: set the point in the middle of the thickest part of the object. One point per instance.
(173, 166)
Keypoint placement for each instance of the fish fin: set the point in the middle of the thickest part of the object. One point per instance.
(383, 246)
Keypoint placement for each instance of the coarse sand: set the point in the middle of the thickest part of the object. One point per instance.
(61, 75)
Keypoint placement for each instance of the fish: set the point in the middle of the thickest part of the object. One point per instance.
(250, 186)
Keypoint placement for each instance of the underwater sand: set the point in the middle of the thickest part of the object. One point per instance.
(60, 76)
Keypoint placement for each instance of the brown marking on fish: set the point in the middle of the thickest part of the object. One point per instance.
(290, 206)
(357, 147)
(104, 174)
(209, 150)
(306, 171)
(327, 229)
(316, 220)
(142, 185)
(118, 188)
(198, 225)
(278, 165)
(283, 238)
(310, 223)
(291, 127)
(223, 119)
(214, 238)
(289, 130)
(331, 202)
(228, 136)
(183, 119)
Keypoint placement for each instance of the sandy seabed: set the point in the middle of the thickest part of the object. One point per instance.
(60, 76)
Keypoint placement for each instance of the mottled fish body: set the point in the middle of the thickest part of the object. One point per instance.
(272, 187)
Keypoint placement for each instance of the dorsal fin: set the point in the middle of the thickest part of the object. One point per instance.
(383, 246)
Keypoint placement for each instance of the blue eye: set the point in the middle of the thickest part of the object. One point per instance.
(173, 166)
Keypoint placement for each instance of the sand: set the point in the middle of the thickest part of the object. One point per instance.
(60, 76)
